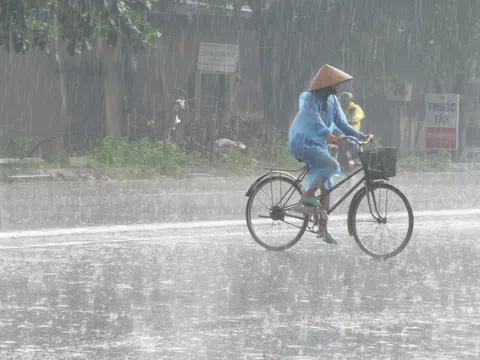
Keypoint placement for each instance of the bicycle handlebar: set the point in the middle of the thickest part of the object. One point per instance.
(370, 138)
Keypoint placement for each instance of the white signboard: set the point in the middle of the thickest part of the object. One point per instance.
(217, 58)
(441, 121)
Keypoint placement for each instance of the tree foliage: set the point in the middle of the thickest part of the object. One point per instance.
(79, 23)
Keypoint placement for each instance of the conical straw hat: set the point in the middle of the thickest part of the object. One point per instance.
(328, 76)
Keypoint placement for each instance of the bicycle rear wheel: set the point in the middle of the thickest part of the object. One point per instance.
(270, 219)
(382, 220)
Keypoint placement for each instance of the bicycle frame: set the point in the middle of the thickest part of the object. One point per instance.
(301, 177)
(344, 197)
(364, 179)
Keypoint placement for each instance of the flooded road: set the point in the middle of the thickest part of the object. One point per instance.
(28, 206)
(208, 291)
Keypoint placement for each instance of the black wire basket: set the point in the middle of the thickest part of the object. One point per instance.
(380, 163)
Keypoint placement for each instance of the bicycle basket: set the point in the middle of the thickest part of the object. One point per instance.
(380, 163)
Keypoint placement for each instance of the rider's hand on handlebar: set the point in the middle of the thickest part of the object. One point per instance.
(336, 140)
(367, 137)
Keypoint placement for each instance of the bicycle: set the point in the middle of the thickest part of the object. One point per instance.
(378, 165)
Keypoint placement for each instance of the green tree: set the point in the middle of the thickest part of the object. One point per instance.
(78, 23)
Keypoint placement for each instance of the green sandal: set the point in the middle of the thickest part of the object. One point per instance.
(329, 239)
(310, 201)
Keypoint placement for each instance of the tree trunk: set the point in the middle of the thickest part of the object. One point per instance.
(63, 87)
(276, 63)
(113, 82)
(166, 103)
(113, 102)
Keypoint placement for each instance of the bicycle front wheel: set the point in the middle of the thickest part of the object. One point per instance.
(382, 220)
(271, 220)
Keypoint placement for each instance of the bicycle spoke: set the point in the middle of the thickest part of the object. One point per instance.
(266, 206)
(271, 191)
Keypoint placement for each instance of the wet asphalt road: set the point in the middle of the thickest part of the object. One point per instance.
(207, 291)
(90, 203)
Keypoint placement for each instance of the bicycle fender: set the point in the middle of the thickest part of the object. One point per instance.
(352, 208)
(253, 187)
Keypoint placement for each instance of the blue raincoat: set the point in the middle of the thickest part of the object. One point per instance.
(307, 138)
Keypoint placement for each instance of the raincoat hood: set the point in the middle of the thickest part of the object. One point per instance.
(328, 76)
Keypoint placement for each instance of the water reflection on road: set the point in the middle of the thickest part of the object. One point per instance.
(227, 298)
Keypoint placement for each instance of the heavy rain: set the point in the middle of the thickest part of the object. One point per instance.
(143, 149)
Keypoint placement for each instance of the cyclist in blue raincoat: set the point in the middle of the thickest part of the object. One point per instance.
(319, 115)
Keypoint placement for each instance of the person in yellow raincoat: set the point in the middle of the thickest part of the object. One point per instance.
(354, 114)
